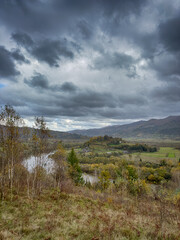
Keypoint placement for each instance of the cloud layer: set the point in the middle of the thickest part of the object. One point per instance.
(90, 63)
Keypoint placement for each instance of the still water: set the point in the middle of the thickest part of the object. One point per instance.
(45, 161)
(90, 178)
(48, 163)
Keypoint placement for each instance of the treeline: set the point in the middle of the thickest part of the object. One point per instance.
(106, 139)
(136, 148)
(118, 143)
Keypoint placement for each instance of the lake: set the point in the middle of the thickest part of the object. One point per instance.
(48, 163)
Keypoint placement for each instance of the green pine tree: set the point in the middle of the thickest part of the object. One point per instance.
(74, 168)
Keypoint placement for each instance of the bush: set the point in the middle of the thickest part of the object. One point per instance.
(132, 172)
(138, 187)
(104, 180)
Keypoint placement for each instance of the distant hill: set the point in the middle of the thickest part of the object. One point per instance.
(54, 134)
(67, 135)
(155, 128)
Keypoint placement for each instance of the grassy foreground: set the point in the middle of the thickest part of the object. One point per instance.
(56, 215)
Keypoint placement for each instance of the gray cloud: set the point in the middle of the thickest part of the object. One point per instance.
(51, 15)
(19, 57)
(68, 87)
(118, 59)
(50, 51)
(7, 66)
(92, 99)
(166, 65)
(169, 91)
(85, 29)
(114, 60)
(40, 81)
(46, 50)
(169, 32)
(121, 7)
(23, 39)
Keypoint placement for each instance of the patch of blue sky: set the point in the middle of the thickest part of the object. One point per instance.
(2, 85)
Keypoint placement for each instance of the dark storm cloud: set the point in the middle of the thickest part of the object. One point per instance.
(114, 60)
(85, 29)
(48, 16)
(19, 57)
(167, 62)
(166, 65)
(38, 81)
(169, 32)
(83, 98)
(92, 99)
(86, 102)
(41, 82)
(148, 44)
(46, 50)
(23, 39)
(124, 7)
(51, 51)
(7, 66)
(165, 57)
(68, 87)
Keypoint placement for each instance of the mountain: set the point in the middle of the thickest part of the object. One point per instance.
(154, 128)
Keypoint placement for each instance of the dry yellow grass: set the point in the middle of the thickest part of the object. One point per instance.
(56, 215)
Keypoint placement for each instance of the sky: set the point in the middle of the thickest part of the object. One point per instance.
(85, 64)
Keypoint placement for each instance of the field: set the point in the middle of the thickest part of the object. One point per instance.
(167, 153)
(62, 216)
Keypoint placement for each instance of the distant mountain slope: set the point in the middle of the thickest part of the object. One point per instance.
(67, 135)
(53, 134)
(155, 128)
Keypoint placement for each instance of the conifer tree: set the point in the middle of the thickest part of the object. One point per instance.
(74, 168)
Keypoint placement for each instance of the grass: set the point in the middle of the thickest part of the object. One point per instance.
(57, 215)
(168, 153)
(156, 142)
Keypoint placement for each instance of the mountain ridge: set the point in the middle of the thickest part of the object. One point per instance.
(168, 127)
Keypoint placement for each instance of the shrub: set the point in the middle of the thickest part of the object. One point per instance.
(132, 172)
(104, 179)
(138, 187)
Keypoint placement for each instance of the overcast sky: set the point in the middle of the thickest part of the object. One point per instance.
(90, 63)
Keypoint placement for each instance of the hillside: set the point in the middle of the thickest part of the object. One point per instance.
(60, 215)
(54, 134)
(155, 128)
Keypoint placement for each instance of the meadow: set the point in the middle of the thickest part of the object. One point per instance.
(85, 215)
(167, 153)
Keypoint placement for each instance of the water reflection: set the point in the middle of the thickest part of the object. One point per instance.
(44, 161)
(90, 178)
(48, 163)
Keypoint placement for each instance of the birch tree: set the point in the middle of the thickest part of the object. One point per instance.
(10, 146)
